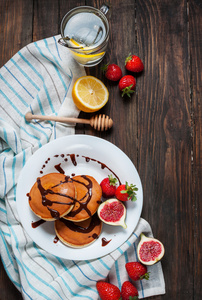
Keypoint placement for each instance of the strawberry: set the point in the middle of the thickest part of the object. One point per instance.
(137, 271)
(112, 72)
(125, 192)
(134, 64)
(129, 291)
(108, 291)
(127, 85)
(108, 186)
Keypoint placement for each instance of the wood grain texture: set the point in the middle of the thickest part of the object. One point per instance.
(45, 24)
(164, 135)
(195, 46)
(159, 127)
(16, 27)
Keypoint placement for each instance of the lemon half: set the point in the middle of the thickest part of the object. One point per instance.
(89, 94)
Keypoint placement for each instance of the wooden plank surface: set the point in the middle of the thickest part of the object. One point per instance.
(165, 137)
(16, 27)
(195, 42)
(159, 128)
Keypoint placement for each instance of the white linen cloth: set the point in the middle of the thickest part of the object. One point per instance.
(39, 79)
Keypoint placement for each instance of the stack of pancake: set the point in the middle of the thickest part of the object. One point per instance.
(72, 203)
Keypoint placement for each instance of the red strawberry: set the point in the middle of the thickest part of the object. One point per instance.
(112, 72)
(129, 291)
(127, 85)
(108, 291)
(125, 192)
(137, 271)
(108, 186)
(134, 64)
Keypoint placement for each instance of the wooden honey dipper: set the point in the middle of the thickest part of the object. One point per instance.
(98, 122)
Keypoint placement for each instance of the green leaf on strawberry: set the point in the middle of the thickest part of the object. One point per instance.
(112, 180)
(131, 191)
(127, 91)
(126, 192)
(127, 85)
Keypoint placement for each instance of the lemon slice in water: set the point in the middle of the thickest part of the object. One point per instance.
(84, 56)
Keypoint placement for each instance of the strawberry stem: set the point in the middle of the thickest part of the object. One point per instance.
(145, 276)
(127, 91)
(112, 180)
(128, 58)
(104, 68)
(131, 191)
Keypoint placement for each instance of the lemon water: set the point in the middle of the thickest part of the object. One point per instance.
(85, 29)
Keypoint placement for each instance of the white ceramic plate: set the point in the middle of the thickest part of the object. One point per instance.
(106, 158)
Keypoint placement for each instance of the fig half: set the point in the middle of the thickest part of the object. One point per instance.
(149, 250)
(112, 212)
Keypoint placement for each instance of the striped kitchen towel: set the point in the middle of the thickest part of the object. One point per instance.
(39, 79)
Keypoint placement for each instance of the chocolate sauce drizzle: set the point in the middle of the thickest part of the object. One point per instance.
(59, 169)
(56, 239)
(83, 205)
(74, 162)
(46, 202)
(38, 223)
(95, 221)
(95, 236)
(103, 166)
(73, 159)
(105, 242)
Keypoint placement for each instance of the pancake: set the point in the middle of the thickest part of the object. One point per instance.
(78, 234)
(88, 197)
(52, 196)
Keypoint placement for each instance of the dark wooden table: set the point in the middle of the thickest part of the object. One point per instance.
(159, 128)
